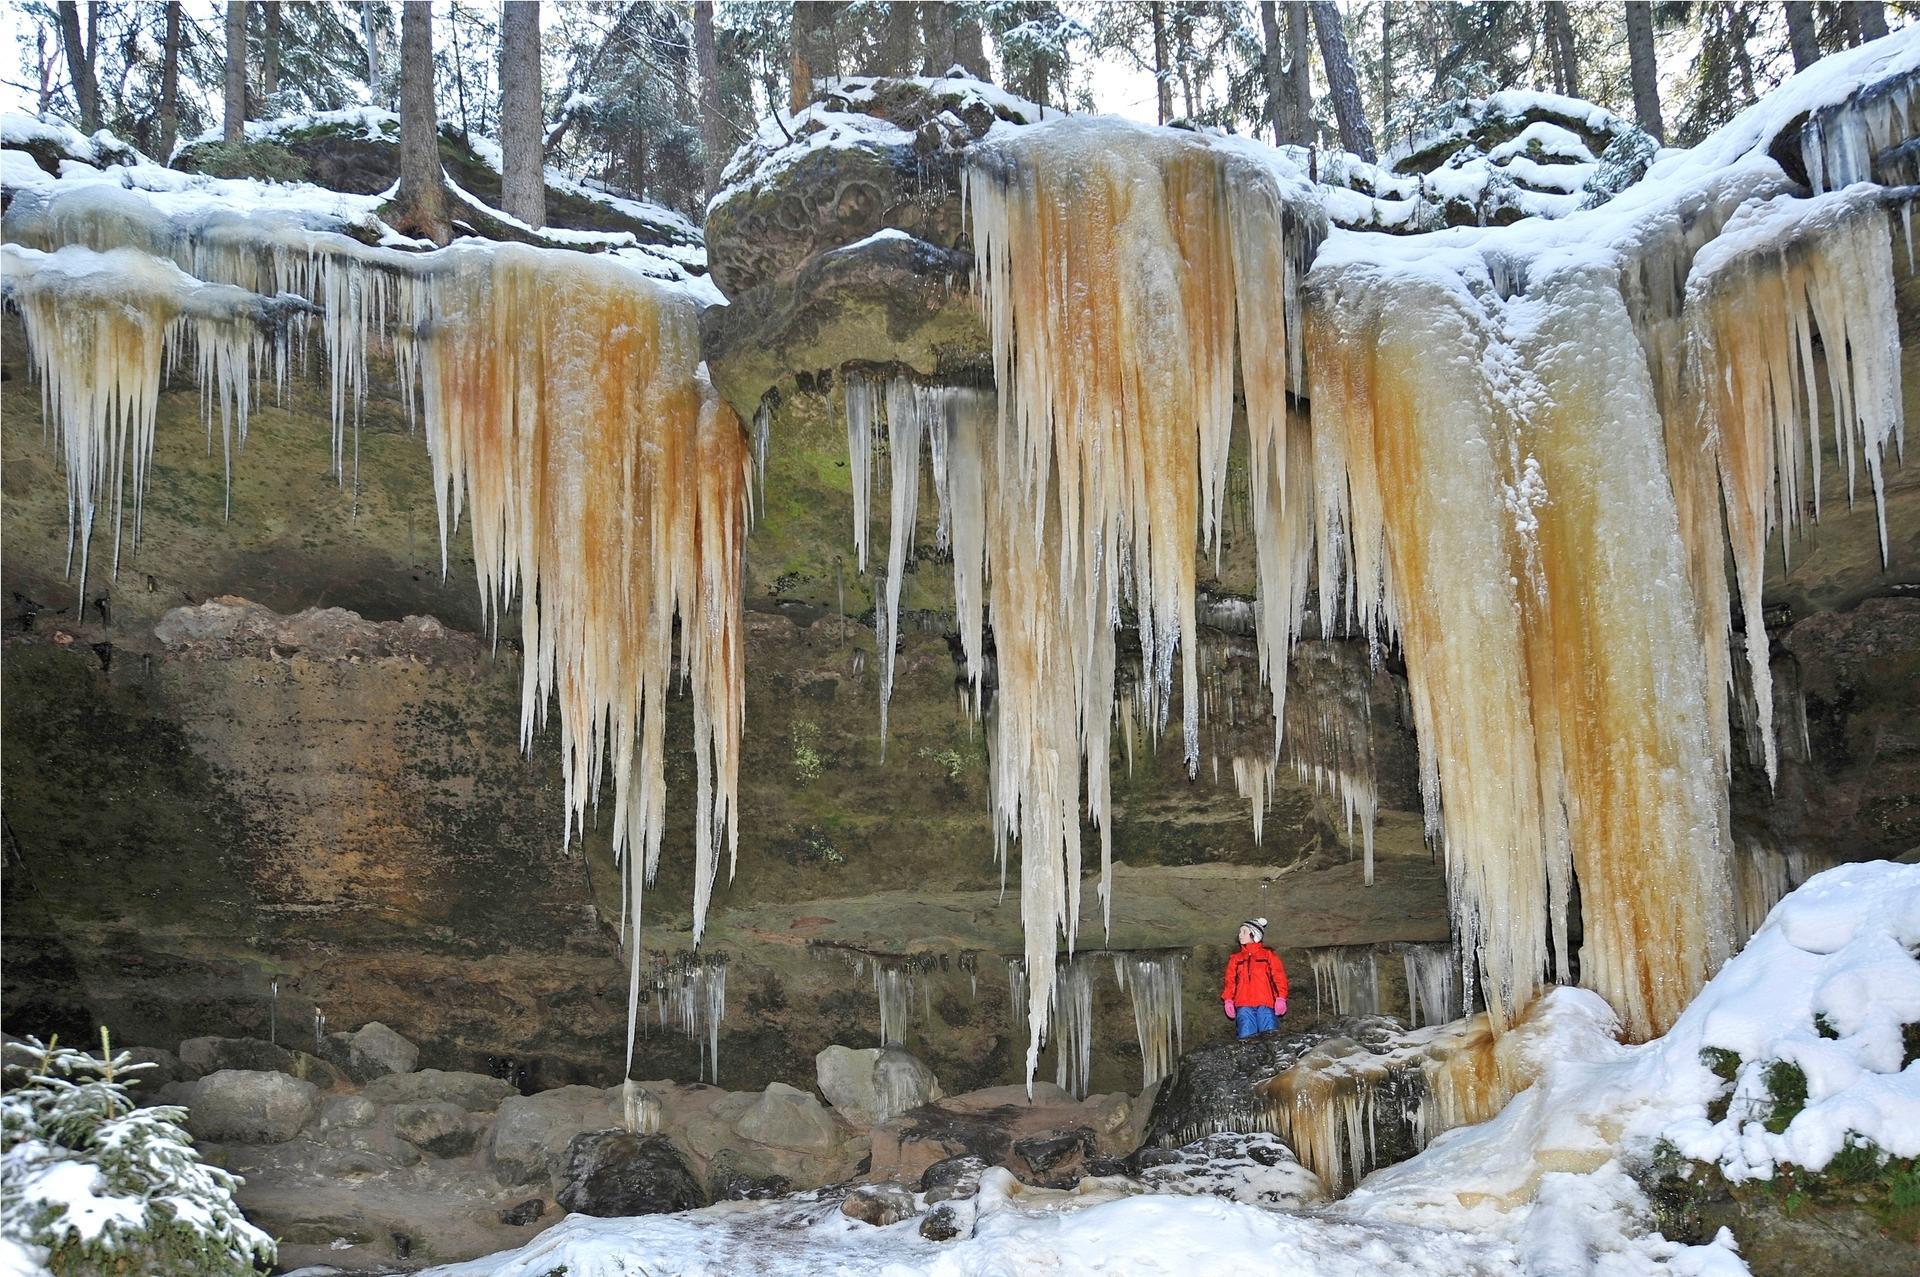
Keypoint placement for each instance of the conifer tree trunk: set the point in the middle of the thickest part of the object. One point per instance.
(1801, 36)
(1386, 70)
(1644, 68)
(1355, 135)
(86, 89)
(1871, 17)
(370, 32)
(898, 37)
(713, 126)
(1274, 69)
(235, 129)
(270, 54)
(812, 40)
(1300, 75)
(523, 181)
(1560, 49)
(937, 24)
(422, 198)
(969, 43)
(1162, 83)
(170, 85)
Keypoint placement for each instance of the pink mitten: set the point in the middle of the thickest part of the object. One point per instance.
(1279, 1006)
(1231, 1009)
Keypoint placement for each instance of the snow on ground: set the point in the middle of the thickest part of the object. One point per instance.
(1543, 1189)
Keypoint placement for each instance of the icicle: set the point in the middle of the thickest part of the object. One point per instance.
(906, 422)
(860, 401)
(1844, 143)
(1431, 997)
(1152, 981)
(1346, 980)
(102, 326)
(1784, 270)
(691, 989)
(1329, 734)
(1073, 1008)
(1253, 781)
(1101, 255)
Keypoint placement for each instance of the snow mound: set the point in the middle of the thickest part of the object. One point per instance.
(1828, 986)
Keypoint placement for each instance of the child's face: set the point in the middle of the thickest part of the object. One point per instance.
(1246, 935)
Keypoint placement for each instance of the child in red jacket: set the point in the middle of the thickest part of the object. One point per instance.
(1254, 992)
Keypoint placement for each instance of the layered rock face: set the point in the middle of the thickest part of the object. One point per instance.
(282, 748)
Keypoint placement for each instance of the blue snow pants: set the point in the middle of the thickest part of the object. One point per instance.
(1252, 1020)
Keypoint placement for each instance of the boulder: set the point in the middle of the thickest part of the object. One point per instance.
(1220, 1086)
(201, 1056)
(161, 1067)
(955, 1177)
(997, 1124)
(531, 1132)
(474, 1092)
(348, 1112)
(615, 1173)
(727, 1181)
(438, 1129)
(949, 1220)
(787, 1117)
(878, 1204)
(872, 1085)
(373, 1051)
(250, 1106)
(1257, 1169)
(524, 1213)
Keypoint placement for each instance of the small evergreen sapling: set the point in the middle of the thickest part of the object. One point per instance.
(98, 1186)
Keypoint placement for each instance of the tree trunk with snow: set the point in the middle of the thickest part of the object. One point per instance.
(86, 90)
(713, 125)
(1355, 135)
(1644, 68)
(523, 182)
(236, 106)
(170, 85)
(421, 203)
(1802, 37)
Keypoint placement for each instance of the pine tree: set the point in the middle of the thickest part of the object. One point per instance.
(71, 1139)
(1645, 69)
(1343, 87)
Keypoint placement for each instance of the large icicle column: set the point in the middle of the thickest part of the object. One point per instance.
(1105, 256)
(1507, 459)
(608, 485)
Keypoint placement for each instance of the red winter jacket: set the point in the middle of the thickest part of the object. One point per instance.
(1255, 977)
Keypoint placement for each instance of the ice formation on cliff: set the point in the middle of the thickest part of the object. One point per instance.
(605, 483)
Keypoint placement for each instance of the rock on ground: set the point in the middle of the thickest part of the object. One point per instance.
(874, 1084)
(438, 1129)
(787, 1117)
(1048, 1139)
(878, 1204)
(615, 1173)
(250, 1106)
(474, 1092)
(531, 1132)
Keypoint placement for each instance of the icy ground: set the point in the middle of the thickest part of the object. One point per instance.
(1543, 1189)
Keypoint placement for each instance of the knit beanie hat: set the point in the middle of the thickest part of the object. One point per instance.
(1259, 926)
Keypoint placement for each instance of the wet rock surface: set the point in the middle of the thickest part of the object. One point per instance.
(615, 1173)
(878, 1204)
(1214, 1087)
